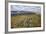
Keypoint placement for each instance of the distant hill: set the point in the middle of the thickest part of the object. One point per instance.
(24, 12)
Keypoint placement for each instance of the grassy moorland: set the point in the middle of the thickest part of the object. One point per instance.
(26, 21)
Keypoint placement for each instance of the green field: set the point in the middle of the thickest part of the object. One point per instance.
(26, 21)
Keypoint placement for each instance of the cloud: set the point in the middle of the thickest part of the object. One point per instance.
(25, 8)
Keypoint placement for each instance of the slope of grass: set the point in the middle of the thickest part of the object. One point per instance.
(21, 21)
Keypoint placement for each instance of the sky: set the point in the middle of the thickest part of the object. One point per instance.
(25, 8)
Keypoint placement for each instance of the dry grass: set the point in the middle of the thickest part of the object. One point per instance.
(21, 21)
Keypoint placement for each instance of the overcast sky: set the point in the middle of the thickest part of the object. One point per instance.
(25, 8)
